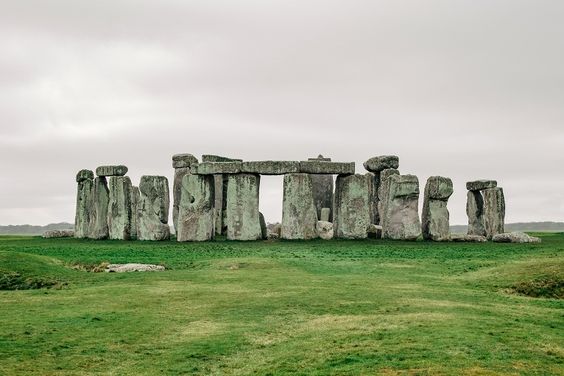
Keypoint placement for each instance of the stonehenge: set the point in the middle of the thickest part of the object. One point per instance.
(219, 197)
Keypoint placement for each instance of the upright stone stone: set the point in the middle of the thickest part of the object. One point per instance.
(323, 188)
(383, 191)
(134, 204)
(153, 208)
(400, 220)
(373, 185)
(119, 214)
(475, 212)
(263, 228)
(352, 206)
(242, 211)
(182, 164)
(435, 217)
(99, 218)
(196, 213)
(325, 215)
(494, 211)
(299, 216)
(84, 203)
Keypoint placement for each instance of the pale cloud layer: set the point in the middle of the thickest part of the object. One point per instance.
(465, 89)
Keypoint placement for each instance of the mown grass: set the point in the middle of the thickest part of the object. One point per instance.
(271, 308)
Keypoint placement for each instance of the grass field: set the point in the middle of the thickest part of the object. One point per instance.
(275, 308)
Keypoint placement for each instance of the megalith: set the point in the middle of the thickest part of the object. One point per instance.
(99, 216)
(134, 204)
(435, 223)
(485, 208)
(153, 208)
(494, 211)
(383, 190)
(299, 215)
(182, 164)
(352, 206)
(323, 188)
(377, 166)
(400, 220)
(119, 212)
(475, 213)
(242, 210)
(84, 203)
(196, 211)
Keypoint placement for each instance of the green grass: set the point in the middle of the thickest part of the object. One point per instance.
(275, 308)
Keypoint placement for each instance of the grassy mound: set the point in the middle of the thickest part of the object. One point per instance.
(19, 271)
(551, 287)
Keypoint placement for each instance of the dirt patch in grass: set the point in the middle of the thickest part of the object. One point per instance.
(17, 281)
(546, 287)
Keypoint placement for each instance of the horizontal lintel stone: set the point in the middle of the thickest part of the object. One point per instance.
(212, 168)
(183, 160)
(270, 167)
(117, 170)
(322, 167)
(479, 185)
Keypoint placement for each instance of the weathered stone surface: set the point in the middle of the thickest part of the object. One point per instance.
(401, 219)
(179, 174)
(152, 208)
(218, 158)
(352, 206)
(323, 187)
(383, 162)
(218, 203)
(468, 238)
(374, 231)
(119, 213)
(242, 211)
(184, 161)
(84, 203)
(213, 168)
(325, 215)
(58, 234)
(475, 213)
(435, 216)
(479, 185)
(383, 191)
(299, 216)
(274, 230)
(373, 185)
(99, 216)
(124, 268)
(270, 167)
(515, 237)
(324, 230)
(117, 170)
(263, 229)
(84, 175)
(196, 218)
(494, 211)
(322, 167)
(134, 203)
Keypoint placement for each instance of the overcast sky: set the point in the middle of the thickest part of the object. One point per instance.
(464, 89)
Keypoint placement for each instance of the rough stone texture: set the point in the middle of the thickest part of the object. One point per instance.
(58, 234)
(123, 268)
(400, 220)
(218, 203)
(117, 170)
(213, 168)
(373, 185)
(325, 215)
(515, 237)
(119, 212)
(374, 231)
(479, 185)
(242, 211)
(494, 211)
(152, 208)
(184, 161)
(99, 216)
(84, 203)
(299, 216)
(324, 230)
(383, 191)
(475, 213)
(263, 229)
(383, 162)
(179, 174)
(134, 203)
(323, 167)
(196, 216)
(270, 167)
(352, 206)
(218, 158)
(468, 238)
(274, 230)
(323, 188)
(435, 216)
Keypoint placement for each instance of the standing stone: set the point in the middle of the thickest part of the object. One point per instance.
(323, 188)
(373, 185)
(263, 228)
(119, 213)
(134, 203)
(242, 211)
(494, 211)
(475, 212)
(383, 191)
(352, 206)
(299, 216)
(400, 220)
(99, 216)
(182, 164)
(435, 217)
(152, 208)
(325, 215)
(84, 203)
(196, 212)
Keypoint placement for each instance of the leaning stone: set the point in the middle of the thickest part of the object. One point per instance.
(119, 213)
(325, 215)
(468, 238)
(374, 231)
(299, 216)
(58, 234)
(401, 218)
(153, 208)
(479, 185)
(475, 213)
(435, 215)
(84, 203)
(270, 167)
(322, 167)
(377, 164)
(515, 237)
(242, 211)
(196, 213)
(118, 170)
(352, 206)
(99, 216)
(134, 203)
(184, 161)
(212, 168)
(218, 158)
(84, 175)
(263, 229)
(494, 211)
(324, 230)
(179, 174)
(124, 268)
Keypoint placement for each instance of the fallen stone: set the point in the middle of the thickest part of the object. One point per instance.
(377, 164)
(58, 234)
(242, 211)
(270, 167)
(374, 231)
(123, 268)
(352, 206)
(325, 215)
(475, 213)
(299, 216)
(263, 229)
(118, 170)
(479, 185)
(84, 203)
(179, 174)
(324, 230)
(153, 208)
(184, 161)
(435, 216)
(100, 205)
(331, 168)
(83, 175)
(494, 211)
(196, 220)
(515, 237)
(400, 220)
(468, 238)
(212, 168)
